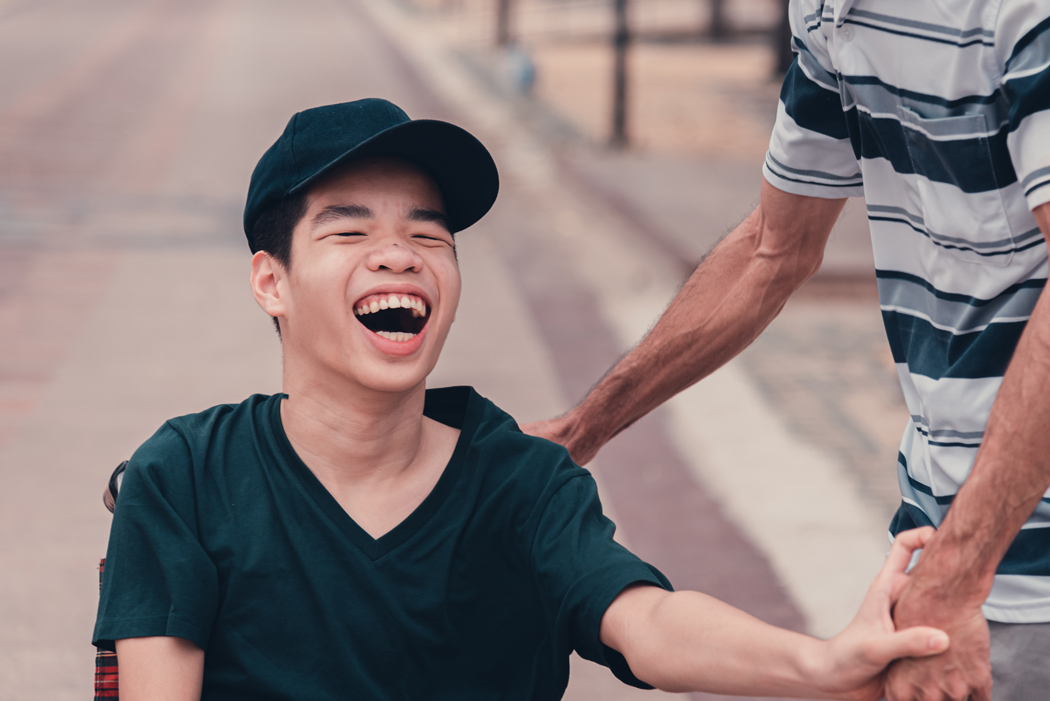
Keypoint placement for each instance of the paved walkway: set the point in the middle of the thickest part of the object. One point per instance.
(128, 132)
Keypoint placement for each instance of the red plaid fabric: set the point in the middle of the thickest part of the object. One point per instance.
(106, 686)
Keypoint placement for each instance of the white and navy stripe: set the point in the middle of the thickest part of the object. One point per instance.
(951, 161)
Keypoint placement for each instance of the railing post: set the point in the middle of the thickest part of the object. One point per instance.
(718, 28)
(503, 22)
(621, 39)
(782, 40)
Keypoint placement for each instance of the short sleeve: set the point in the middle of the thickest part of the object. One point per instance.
(580, 569)
(1022, 42)
(809, 151)
(158, 579)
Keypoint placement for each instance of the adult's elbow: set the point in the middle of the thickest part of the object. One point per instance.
(793, 231)
(808, 265)
(791, 265)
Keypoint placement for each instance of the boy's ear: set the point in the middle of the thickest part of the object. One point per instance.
(268, 284)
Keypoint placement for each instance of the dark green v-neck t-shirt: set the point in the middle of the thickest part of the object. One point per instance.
(224, 537)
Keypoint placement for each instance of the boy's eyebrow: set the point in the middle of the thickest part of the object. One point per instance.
(342, 211)
(427, 215)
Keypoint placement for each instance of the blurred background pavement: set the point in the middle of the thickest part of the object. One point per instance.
(128, 131)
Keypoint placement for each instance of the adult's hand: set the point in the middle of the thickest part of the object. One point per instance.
(564, 430)
(859, 654)
(964, 671)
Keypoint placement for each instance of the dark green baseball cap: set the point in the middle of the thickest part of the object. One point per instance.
(319, 140)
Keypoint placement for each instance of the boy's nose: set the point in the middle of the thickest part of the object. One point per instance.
(396, 257)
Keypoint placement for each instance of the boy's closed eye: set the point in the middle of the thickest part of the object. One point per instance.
(433, 240)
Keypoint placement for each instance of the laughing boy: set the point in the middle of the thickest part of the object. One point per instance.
(359, 536)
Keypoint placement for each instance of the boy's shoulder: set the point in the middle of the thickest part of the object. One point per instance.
(499, 448)
(182, 440)
(489, 426)
(220, 416)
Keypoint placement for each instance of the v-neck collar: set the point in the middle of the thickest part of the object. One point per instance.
(453, 406)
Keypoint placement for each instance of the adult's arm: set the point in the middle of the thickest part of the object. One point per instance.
(727, 301)
(687, 641)
(160, 668)
(1010, 475)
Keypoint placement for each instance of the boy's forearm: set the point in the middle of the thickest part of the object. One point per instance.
(726, 303)
(687, 641)
(693, 642)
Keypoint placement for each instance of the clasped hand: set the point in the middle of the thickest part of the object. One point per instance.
(960, 674)
(857, 657)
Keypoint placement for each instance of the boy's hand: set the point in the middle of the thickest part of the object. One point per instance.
(857, 657)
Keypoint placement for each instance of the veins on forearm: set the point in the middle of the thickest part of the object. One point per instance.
(715, 316)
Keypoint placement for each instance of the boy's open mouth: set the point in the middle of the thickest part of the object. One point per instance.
(395, 315)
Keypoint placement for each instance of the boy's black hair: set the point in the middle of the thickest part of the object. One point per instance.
(272, 231)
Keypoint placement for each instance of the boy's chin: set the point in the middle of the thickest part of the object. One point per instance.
(395, 387)
(364, 368)
(392, 380)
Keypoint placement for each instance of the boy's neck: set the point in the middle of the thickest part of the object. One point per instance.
(352, 435)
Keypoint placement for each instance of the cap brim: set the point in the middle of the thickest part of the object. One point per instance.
(460, 165)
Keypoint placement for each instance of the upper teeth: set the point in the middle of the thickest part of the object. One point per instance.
(391, 301)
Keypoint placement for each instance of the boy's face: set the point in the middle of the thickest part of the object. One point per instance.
(373, 284)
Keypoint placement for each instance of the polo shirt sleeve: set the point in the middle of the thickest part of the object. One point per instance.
(1022, 45)
(158, 578)
(580, 569)
(809, 151)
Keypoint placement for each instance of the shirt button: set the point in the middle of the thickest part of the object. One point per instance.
(847, 33)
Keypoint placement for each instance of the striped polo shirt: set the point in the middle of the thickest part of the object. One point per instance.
(938, 114)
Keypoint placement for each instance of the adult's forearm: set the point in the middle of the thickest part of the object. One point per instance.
(721, 309)
(726, 303)
(1010, 474)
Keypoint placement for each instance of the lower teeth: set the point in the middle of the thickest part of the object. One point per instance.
(398, 336)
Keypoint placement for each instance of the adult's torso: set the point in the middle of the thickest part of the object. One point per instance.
(959, 257)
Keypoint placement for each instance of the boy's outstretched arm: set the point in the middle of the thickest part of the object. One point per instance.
(687, 641)
(160, 668)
